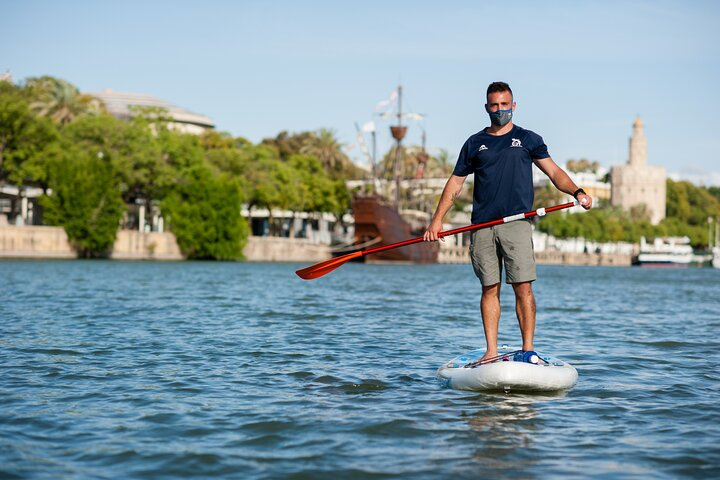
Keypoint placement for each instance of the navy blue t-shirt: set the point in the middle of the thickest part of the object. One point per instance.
(503, 171)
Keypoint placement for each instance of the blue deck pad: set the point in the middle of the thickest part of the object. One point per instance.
(475, 355)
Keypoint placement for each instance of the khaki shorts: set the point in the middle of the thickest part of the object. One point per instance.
(509, 243)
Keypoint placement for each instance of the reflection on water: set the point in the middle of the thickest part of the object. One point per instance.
(507, 428)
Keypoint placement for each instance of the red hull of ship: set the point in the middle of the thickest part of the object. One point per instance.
(375, 218)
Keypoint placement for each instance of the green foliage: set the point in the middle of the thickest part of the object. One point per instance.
(288, 144)
(678, 203)
(412, 157)
(582, 165)
(204, 213)
(440, 165)
(24, 139)
(180, 151)
(408, 163)
(315, 191)
(59, 100)
(84, 200)
(300, 183)
(547, 195)
(342, 198)
(715, 192)
(228, 155)
(54, 136)
(688, 208)
(270, 179)
(135, 153)
(321, 144)
(597, 224)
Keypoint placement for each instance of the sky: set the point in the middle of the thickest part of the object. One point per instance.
(581, 71)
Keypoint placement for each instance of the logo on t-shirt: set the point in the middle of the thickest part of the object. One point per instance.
(516, 142)
(482, 147)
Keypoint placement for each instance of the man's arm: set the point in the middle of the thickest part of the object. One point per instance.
(562, 181)
(450, 193)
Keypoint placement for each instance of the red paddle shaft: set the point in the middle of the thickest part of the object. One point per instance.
(470, 228)
(323, 268)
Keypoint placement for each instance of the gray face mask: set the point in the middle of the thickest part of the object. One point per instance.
(501, 117)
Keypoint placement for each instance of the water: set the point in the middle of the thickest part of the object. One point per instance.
(232, 370)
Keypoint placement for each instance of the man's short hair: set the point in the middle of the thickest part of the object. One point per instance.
(498, 87)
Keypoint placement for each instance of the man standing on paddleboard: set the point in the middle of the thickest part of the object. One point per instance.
(501, 157)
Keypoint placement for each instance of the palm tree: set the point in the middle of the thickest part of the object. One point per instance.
(323, 145)
(59, 100)
(411, 158)
(320, 144)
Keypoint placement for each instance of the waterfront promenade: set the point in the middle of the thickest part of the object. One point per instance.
(42, 242)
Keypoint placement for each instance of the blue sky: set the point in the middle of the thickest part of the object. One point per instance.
(581, 71)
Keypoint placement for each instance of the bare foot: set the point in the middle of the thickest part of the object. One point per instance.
(488, 356)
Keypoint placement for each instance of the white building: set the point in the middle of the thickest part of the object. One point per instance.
(121, 105)
(592, 182)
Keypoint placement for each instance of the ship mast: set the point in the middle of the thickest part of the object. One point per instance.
(422, 157)
(398, 132)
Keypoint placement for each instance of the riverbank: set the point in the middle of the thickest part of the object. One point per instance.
(459, 254)
(41, 242)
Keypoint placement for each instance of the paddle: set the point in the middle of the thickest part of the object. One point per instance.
(323, 268)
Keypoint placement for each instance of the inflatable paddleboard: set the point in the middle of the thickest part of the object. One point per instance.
(512, 371)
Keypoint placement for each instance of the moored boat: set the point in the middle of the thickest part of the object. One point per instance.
(378, 222)
(665, 252)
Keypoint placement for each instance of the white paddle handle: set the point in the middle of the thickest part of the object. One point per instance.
(512, 218)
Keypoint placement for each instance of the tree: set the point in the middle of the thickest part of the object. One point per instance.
(327, 149)
(440, 165)
(225, 153)
(203, 211)
(321, 144)
(640, 213)
(85, 200)
(316, 191)
(715, 192)
(179, 151)
(547, 195)
(59, 100)
(678, 204)
(411, 157)
(688, 208)
(24, 139)
(131, 147)
(288, 144)
(582, 165)
(270, 179)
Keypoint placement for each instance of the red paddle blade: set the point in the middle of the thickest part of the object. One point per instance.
(322, 268)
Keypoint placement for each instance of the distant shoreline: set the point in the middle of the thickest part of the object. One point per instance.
(41, 242)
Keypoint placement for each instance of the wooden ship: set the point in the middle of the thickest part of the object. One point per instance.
(378, 220)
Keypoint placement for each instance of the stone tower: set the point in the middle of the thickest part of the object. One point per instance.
(636, 182)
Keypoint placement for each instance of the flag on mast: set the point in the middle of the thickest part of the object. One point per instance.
(384, 104)
(368, 127)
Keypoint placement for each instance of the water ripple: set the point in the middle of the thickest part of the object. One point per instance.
(227, 370)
